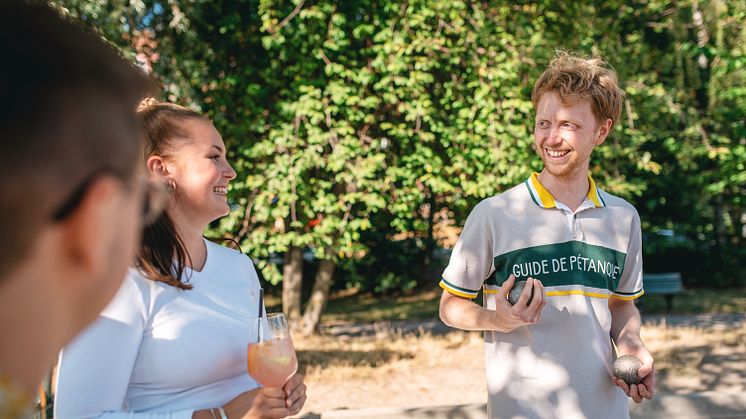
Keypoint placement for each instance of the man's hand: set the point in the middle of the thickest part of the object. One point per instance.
(645, 389)
(510, 317)
(464, 314)
(625, 331)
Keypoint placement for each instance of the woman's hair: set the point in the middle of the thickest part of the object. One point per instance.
(163, 255)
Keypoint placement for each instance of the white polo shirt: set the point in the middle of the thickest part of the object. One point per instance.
(561, 366)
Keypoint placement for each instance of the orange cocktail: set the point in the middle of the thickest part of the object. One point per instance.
(272, 361)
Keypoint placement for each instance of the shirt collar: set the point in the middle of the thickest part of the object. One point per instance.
(543, 198)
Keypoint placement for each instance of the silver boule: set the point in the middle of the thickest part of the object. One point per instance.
(515, 293)
(626, 368)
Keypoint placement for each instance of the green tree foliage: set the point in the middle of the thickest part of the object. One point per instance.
(359, 123)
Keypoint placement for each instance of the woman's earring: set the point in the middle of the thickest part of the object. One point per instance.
(171, 185)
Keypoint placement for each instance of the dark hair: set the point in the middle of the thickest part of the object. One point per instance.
(163, 255)
(67, 113)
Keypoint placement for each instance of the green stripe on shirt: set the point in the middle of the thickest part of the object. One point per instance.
(568, 263)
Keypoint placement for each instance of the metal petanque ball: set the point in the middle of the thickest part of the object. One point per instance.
(515, 293)
(626, 367)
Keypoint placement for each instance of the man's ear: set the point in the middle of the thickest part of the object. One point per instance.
(86, 227)
(604, 129)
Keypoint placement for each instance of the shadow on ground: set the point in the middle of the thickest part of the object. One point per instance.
(707, 404)
(701, 368)
(455, 412)
(472, 411)
(323, 359)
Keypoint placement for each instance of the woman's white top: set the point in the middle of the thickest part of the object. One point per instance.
(160, 352)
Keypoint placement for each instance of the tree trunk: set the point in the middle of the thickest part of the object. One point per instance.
(319, 297)
(292, 283)
(717, 227)
(430, 241)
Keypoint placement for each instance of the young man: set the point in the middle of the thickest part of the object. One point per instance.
(71, 192)
(578, 248)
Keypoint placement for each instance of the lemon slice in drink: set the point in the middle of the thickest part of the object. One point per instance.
(281, 360)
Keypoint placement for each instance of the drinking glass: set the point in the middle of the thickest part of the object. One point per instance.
(272, 359)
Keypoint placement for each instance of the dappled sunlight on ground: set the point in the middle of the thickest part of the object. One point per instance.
(391, 369)
(691, 359)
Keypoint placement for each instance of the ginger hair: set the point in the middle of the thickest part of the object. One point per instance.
(574, 78)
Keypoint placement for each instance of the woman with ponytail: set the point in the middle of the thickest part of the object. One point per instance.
(172, 344)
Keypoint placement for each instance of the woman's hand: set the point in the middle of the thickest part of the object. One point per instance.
(269, 402)
(260, 403)
(295, 394)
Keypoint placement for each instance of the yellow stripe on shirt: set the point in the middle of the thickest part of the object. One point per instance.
(456, 292)
(564, 293)
(628, 297)
(577, 292)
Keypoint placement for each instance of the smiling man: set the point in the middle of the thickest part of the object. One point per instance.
(579, 250)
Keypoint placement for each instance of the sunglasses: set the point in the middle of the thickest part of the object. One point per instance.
(155, 198)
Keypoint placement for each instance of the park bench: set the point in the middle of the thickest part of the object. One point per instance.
(667, 284)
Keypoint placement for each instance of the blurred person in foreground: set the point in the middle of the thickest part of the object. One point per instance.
(579, 250)
(71, 188)
(173, 342)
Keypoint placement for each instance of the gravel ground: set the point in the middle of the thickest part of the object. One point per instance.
(412, 364)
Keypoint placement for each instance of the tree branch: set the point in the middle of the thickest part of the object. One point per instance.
(287, 19)
(628, 110)
(247, 216)
(324, 58)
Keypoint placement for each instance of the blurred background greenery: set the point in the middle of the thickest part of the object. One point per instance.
(363, 131)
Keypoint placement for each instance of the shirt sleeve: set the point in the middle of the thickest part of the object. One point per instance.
(94, 371)
(472, 258)
(630, 284)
